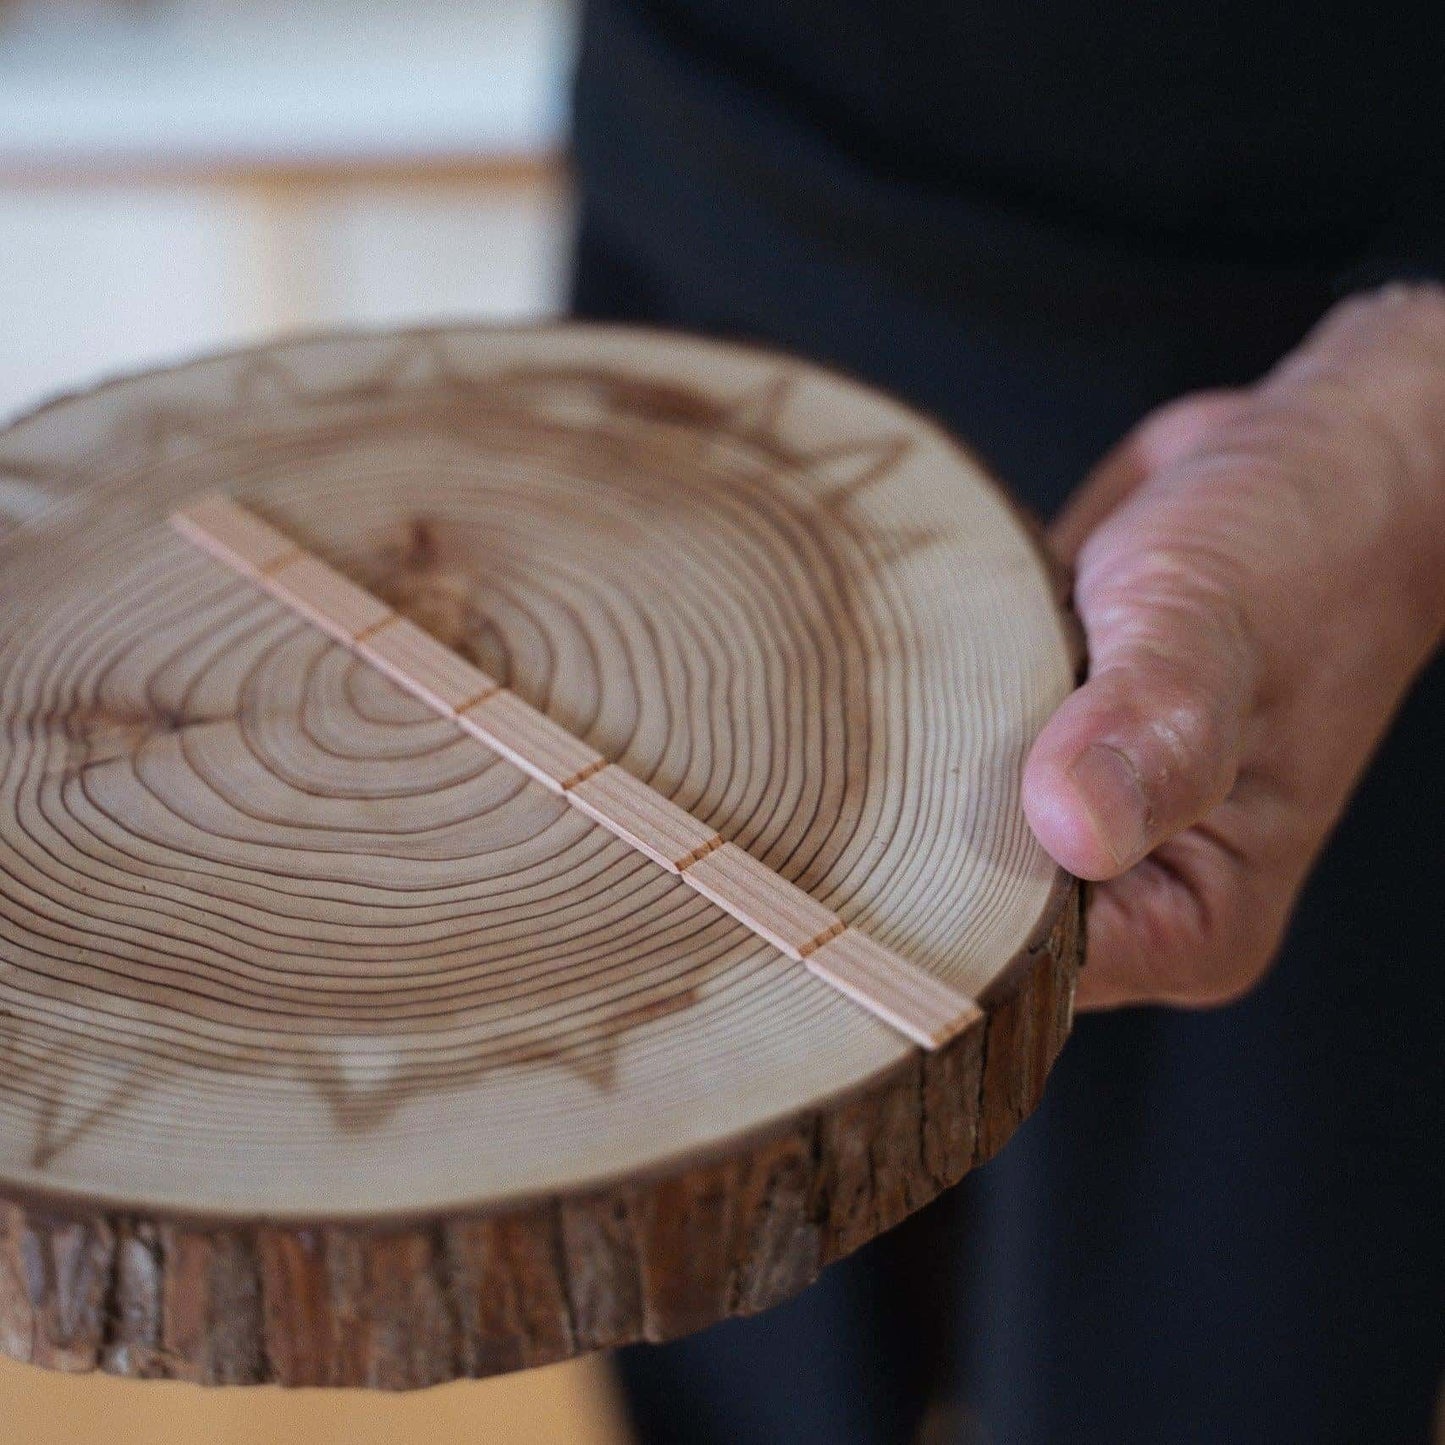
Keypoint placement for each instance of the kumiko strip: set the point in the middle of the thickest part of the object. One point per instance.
(922, 1007)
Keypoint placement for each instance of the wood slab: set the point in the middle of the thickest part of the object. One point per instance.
(924, 1008)
(338, 1048)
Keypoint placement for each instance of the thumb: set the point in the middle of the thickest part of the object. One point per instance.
(1151, 742)
(1159, 441)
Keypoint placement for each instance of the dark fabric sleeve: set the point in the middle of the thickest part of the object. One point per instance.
(1411, 246)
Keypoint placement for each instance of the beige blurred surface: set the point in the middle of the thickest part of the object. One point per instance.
(570, 1404)
(178, 176)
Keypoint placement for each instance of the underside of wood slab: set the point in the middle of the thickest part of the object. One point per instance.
(339, 1048)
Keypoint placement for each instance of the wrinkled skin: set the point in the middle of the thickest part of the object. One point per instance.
(1260, 574)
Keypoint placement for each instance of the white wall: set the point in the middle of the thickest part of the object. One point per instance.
(98, 280)
(181, 175)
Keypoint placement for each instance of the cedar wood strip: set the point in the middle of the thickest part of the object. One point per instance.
(918, 1005)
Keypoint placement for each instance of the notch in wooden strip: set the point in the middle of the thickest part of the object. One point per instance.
(772, 907)
(920, 1006)
(532, 741)
(234, 536)
(642, 817)
(916, 1003)
(323, 596)
(427, 669)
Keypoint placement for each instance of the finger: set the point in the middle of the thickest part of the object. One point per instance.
(1151, 742)
(1190, 926)
(1161, 439)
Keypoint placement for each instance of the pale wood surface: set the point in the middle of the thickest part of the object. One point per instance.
(531, 741)
(315, 1022)
(442, 678)
(652, 824)
(925, 1009)
(790, 919)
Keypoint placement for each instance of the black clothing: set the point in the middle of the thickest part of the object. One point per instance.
(1038, 222)
(1248, 129)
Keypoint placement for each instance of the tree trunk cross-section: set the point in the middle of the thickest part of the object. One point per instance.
(334, 1050)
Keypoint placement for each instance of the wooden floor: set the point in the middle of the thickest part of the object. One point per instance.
(571, 1404)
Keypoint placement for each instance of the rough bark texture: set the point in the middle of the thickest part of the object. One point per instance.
(399, 1307)
(391, 1000)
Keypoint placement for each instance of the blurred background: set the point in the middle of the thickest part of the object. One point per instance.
(182, 175)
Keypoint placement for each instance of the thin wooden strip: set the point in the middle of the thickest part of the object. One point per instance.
(767, 903)
(426, 668)
(532, 741)
(897, 991)
(234, 536)
(642, 817)
(322, 595)
(911, 1000)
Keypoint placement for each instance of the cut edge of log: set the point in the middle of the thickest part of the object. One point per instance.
(406, 1302)
(401, 1304)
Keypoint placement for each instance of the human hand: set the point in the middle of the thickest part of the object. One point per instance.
(1260, 575)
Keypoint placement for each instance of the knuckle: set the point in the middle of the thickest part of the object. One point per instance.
(1398, 313)
(1394, 296)
(1172, 430)
(1184, 736)
(1192, 725)
(1167, 594)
